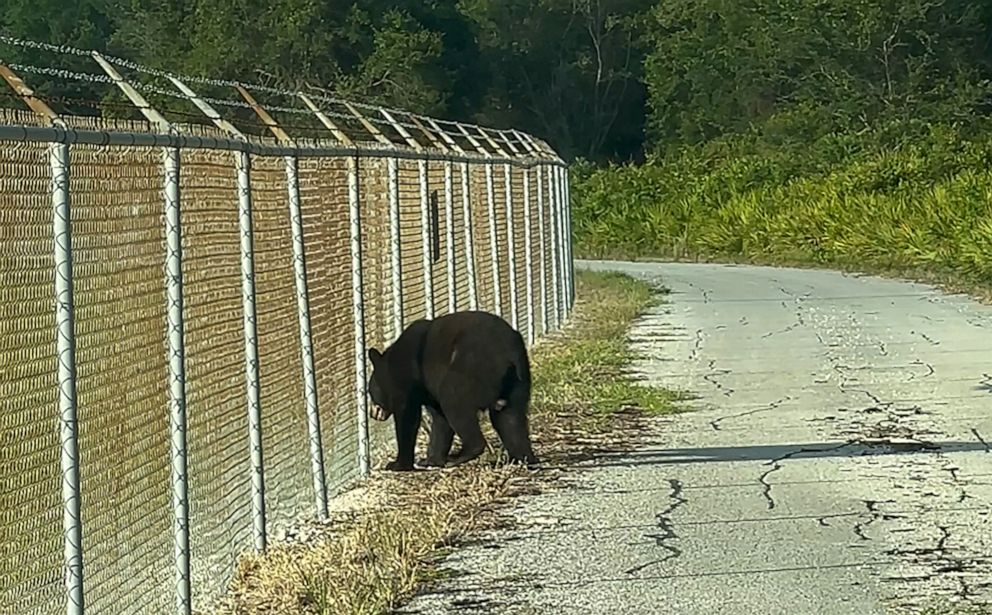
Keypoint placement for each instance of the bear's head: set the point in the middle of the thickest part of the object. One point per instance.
(387, 390)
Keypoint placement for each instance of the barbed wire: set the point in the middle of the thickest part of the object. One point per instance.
(140, 68)
(95, 78)
(316, 93)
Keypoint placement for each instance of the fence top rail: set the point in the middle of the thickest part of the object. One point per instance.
(258, 147)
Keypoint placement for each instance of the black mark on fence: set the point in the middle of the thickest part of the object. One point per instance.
(435, 229)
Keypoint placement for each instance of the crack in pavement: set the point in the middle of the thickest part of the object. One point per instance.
(715, 373)
(777, 465)
(782, 331)
(715, 423)
(667, 527)
(702, 291)
(926, 337)
(941, 562)
(875, 515)
(930, 370)
(986, 383)
(696, 345)
(981, 440)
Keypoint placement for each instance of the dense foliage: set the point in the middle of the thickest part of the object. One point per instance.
(920, 201)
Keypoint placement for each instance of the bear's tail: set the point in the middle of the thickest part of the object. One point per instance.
(517, 373)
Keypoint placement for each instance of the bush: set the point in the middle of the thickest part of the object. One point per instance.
(904, 195)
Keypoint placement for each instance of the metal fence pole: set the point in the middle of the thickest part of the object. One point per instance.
(553, 231)
(449, 233)
(473, 292)
(562, 254)
(571, 239)
(66, 349)
(251, 348)
(177, 379)
(566, 242)
(528, 258)
(510, 246)
(357, 295)
(493, 240)
(395, 239)
(425, 238)
(542, 248)
(306, 338)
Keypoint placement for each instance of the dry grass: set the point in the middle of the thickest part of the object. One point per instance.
(364, 561)
(370, 559)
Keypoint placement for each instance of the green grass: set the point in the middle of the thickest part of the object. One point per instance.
(587, 374)
(920, 205)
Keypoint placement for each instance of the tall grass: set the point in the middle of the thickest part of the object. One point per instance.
(916, 199)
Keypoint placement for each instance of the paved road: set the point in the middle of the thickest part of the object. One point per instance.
(840, 464)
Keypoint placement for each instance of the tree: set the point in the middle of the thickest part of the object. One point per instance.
(722, 66)
(565, 69)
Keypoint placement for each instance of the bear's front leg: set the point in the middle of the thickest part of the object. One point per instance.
(407, 423)
(440, 441)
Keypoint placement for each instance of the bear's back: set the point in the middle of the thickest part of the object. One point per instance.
(475, 344)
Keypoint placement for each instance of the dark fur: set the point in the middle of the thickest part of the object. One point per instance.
(455, 366)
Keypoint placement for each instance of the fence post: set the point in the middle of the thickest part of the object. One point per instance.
(449, 233)
(473, 293)
(357, 295)
(425, 238)
(393, 179)
(542, 249)
(306, 338)
(243, 161)
(177, 379)
(553, 238)
(562, 249)
(510, 245)
(528, 258)
(493, 240)
(66, 349)
(566, 242)
(571, 239)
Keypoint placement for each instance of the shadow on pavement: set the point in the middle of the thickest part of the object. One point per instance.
(773, 452)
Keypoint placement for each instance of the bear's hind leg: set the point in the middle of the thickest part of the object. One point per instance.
(465, 422)
(439, 444)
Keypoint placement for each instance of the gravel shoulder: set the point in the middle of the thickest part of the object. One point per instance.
(839, 462)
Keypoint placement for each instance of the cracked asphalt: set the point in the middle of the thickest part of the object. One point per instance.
(839, 462)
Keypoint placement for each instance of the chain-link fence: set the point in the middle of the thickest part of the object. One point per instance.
(185, 311)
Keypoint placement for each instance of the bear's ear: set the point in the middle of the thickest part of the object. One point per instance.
(375, 356)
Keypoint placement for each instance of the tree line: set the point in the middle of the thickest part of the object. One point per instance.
(600, 79)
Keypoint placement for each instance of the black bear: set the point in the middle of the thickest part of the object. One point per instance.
(456, 366)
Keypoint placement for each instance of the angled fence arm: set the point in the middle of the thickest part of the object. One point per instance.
(369, 126)
(326, 121)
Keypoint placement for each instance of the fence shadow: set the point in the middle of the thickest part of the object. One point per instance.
(764, 452)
